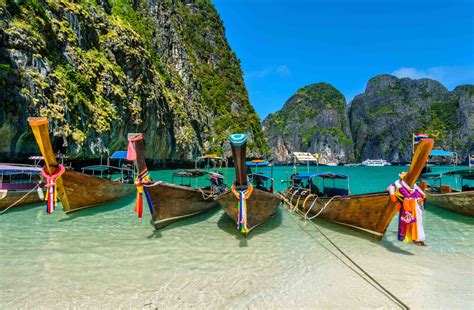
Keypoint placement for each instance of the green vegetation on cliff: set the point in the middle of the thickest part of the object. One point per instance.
(384, 118)
(314, 119)
(100, 68)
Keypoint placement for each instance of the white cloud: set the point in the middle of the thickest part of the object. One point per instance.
(450, 76)
(281, 70)
(258, 73)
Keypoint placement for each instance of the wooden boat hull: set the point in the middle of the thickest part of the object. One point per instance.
(76, 190)
(85, 191)
(371, 213)
(173, 202)
(458, 202)
(13, 196)
(261, 205)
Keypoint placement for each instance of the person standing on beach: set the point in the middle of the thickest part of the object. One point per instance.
(410, 205)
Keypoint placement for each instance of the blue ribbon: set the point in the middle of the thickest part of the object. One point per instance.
(148, 199)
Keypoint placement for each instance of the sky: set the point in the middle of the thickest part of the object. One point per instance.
(285, 45)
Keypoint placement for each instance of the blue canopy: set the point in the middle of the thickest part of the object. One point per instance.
(441, 153)
(324, 175)
(119, 155)
(257, 164)
(6, 169)
(105, 168)
(304, 176)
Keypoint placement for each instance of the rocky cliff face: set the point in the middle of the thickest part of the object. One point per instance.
(99, 69)
(382, 120)
(312, 120)
(384, 117)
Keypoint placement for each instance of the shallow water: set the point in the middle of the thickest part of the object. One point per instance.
(106, 257)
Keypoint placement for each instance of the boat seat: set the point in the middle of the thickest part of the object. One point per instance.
(334, 191)
(445, 189)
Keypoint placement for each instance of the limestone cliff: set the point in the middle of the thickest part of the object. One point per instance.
(313, 120)
(101, 68)
(384, 117)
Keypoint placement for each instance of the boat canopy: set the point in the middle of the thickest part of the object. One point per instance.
(465, 174)
(441, 153)
(260, 176)
(119, 155)
(36, 157)
(102, 168)
(192, 173)
(257, 163)
(18, 169)
(211, 156)
(324, 175)
(431, 175)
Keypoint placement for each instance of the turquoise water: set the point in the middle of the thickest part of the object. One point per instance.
(106, 257)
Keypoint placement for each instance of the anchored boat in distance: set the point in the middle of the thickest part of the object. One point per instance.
(376, 163)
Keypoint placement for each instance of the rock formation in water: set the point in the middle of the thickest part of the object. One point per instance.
(384, 117)
(382, 120)
(99, 69)
(313, 120)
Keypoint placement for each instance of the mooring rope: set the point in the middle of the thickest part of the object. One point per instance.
(206, 196)
(320, 211)
(374, 283)
(19, 200)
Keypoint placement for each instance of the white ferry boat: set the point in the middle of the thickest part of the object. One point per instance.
(375, 162)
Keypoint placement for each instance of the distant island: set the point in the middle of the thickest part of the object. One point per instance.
(377, 124)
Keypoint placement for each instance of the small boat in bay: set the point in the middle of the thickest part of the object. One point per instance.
(169, 202)
(252, 199)
(446, 197)
(96, 185)
(375, 163)
(311, 194)
(19, 185)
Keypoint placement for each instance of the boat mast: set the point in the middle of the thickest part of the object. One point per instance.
(138, 145)
(238, 144)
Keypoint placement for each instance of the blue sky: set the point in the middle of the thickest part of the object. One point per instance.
(284, 45)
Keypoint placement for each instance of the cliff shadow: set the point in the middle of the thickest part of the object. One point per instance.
(226, 224)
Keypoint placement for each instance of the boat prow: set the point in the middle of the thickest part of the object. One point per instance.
(370, 213)
(76, 190)
(247, 204)
(169, 202)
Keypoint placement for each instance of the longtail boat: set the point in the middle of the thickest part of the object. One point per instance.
(250, 202)
(168, 202)
(444, 196)
(371, 213)
(19, 185)
(77, 190)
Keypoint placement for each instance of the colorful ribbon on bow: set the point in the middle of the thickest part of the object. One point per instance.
(407, 199)
(143, 178)
(51, 187)
(242, 196)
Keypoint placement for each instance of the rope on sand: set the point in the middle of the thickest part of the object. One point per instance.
(372, 281)
(19, 200)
